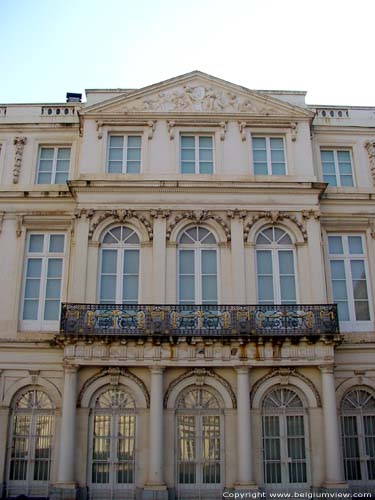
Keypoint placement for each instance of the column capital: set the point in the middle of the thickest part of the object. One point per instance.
(242, 370)
(156, 370)
(327, 369)
(71, 369)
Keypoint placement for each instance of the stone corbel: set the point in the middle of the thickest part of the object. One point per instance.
(293, 127)
(171, 125)
(242, 126)
(236, 213)
(1, 221)
(99, 129)
(152, 125)
(114, 376)
(34, 375)
(370, 147)
(160, 214)
(19, 225)
(19, 142)
(223, 130)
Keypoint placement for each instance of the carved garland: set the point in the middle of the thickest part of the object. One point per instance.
(114, 375)
(121, 215)
(284, 374)
(370, 146)
(200, 374)
(198, 216)
(274, 217)
(19, 142)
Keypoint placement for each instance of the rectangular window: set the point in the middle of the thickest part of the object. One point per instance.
(348, 269)
(124, 154)
(337, 167)
(42, 281)
(196, 154)
(53, 165)
(269, 156)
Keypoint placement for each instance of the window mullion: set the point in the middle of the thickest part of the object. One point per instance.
(198, 275)
(337, 170)
(43, 283)
(119, 274)
(54, 165)
(276, 276)
(124, 155)
(196, 154)
(269, 162)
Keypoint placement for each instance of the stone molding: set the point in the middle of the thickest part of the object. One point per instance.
(20, 143)
(121, 216)
(198, 217)
(274, 217)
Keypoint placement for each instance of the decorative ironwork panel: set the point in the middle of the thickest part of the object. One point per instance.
(132, 320)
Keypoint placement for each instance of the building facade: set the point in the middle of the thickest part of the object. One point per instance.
(187, 294)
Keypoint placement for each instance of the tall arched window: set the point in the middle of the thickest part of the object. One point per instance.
(276, 279)
(284, 439)
(119, 266)
(112, 441)
(31, 440)
(199, 441)
(358, 435)
(197, 267)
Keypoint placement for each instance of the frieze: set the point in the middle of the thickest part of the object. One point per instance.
(200, 98)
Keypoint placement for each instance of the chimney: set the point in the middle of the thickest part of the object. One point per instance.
(72, 97)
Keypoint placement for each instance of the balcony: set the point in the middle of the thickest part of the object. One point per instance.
(84, 321)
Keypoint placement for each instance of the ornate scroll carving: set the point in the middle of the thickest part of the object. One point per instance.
(223, 130)
(171, 124)
(19, 142)
(274, 216)
(294, 131)
(370, 146)
(200, 98)
(151, 128)
(198, 216)
(242, 126)
(200, 374)
(120, 215)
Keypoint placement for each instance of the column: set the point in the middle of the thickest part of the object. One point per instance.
(334, 474)
(65, 476)
(4, 426)
(238, 260)
(77, 284)
(159, 256)
(155, 488)
(244, 449)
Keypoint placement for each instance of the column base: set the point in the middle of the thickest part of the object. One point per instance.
(155, 492)
(63, 491)
(245, 487)
(339, 485)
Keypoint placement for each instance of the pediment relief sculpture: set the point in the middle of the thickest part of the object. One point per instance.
(199, 98)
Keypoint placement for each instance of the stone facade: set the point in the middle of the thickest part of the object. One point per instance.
(160, 398)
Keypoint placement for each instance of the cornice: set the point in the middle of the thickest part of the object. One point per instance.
(33, 126)
(340, 129)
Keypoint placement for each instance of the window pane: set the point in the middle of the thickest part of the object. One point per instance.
(109, 261)
(360, 290)
(188, 155)
(47, 153)
(133, 167)
(265, 289)
(339, 290)
(187, 141)
(343, 310)
(56, 243)
(260, 169)
(327, 156)
(209, 261)
(52, 310)
(44, 178)
(108, 288)
(337, 269)
(362, 312)
(187, 167)
(209, 288)
(134, 141)
(62, 166)
(130, 289)
(335, 245)
(34, 268)
(115, 154)
(63, 154)
(286, 262)
(32, 289)
(186, 261)
(276, 143)
(264, 262)
(115, 167)
(206, 168)
(61, 178)
(355, 244)
(205, 155)
(45, 166)
(30, 310)
(116, 141)
(134, 154)
(288, 289)
(53, 289)
(346, 180)
(259, 143)
(36, 243)
(260, 155)
(131, 261)
(205, 142)
(278, 169)
(277, 156)
(54, 268)
(358, 269)
(187, 292)
(343, 156)
(330, 179)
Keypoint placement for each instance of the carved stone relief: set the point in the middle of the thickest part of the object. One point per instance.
(200, 98)
(198, 216)
(274, 216)
(19, 142)
(370, 146)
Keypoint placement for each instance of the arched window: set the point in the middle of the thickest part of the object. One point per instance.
(112, 441)
(276, 279)
(197, 267)
(119, 266)
(31, 441)
(358, 435)
(199, 441)
(284, 439)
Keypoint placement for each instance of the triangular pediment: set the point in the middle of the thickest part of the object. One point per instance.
(196, 92)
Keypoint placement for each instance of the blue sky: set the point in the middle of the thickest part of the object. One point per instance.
(50, 47)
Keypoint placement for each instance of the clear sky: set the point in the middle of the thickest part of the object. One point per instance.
(50, 47)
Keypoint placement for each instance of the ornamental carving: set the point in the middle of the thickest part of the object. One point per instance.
(275, 216)
(120, 215)
(200, 98)
(199, 375)
(284, 374)
(370, 146)
(19, 142)
(114, 377)
(198, 216)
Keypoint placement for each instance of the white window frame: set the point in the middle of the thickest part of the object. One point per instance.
(196, 136)
(125, 136)
(274, 248)
(197, 247)
(120, 266)
(40, 324)
(55, 148)
(352, 324)
(335, 150)
(268, 152)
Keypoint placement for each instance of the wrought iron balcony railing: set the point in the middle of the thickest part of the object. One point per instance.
(128, 320)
